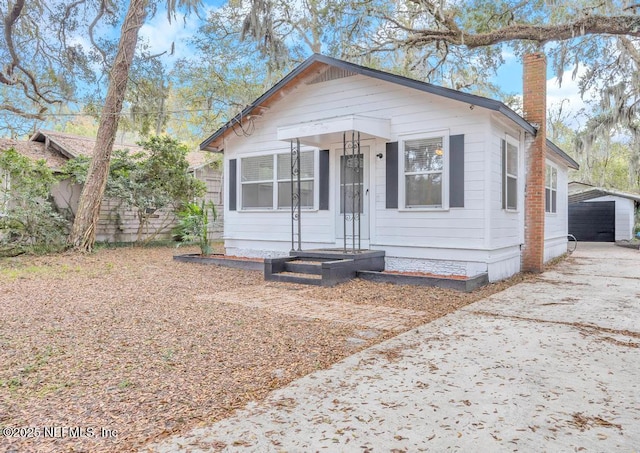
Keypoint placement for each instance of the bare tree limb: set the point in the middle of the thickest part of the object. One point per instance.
(101, 11)
(9, 22)
(588, 25)
(23, 113)
(631, 49)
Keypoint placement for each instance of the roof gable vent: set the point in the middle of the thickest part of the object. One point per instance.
(332, 73)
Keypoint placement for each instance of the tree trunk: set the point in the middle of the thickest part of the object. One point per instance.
(83, 233)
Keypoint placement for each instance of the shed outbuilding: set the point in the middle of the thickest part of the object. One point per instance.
(601, 215)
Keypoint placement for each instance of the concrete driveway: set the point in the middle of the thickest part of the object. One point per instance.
(550, 365)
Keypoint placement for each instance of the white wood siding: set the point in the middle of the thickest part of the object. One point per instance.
(506, 228)
(556, 224)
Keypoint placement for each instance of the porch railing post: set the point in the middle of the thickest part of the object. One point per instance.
(299, 194)
(292, 208)
(343, 173)
(354, 193)
(296, 220)
(360, 189)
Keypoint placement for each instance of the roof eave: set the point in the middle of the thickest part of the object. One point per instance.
(249, 109)
(564, 156)
(42, 137)
(598, 192)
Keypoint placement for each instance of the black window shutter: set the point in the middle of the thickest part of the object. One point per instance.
(392, 176)
(456, 171)
(232, 184)
(504, 173)
(324, 180)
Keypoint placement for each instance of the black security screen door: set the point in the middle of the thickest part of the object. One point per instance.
(351, 188)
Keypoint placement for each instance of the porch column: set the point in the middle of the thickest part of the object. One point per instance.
(296, 225)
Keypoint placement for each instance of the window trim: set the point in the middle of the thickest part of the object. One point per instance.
(513, 141)
(402, 185)
(552, 190)
(274, 181)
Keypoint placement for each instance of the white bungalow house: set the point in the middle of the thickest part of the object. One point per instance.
(433, 177)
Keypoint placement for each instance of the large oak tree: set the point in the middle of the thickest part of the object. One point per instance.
(82, 237)
(461, 44)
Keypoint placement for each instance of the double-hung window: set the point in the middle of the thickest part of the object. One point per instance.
(551, 190)
(424, 163)
(510, 173)
(266, 181)
(257, 182)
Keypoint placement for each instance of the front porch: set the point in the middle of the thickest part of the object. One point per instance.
(324, 267)
(345, 144)
(330, 266)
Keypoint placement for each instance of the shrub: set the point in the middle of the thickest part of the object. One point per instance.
(29, 220)
(193, 225)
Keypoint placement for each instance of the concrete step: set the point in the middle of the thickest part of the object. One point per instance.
(294, 277)
(326, 268)
(304, 267)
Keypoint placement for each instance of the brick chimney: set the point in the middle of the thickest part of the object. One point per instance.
(535, 112)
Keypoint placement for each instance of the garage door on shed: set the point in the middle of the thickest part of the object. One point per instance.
(593, 221)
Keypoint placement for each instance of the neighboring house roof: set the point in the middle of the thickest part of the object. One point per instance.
(73, 146)
(588, 192)
(34, 151)
(577, 186)
(317, 62)
(198, 159)
(57, 147)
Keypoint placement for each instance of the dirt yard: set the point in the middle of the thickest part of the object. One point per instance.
(108, 351)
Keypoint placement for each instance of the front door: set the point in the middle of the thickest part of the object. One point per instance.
(353, 197)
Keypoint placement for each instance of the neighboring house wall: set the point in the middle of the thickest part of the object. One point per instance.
(212, 177)
(625, 210)
(479, 237)
(4, 191)
(118, 223)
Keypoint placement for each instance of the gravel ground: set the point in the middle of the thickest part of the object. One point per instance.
(111, 350)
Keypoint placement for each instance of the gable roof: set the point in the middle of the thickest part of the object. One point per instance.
(58, 147)
(317, 61)
(579, 191)
(72, 146)
(34, 151)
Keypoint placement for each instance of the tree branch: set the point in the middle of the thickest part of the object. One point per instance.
(588, 25)
(9, 22)
(23, 113)
(631, 50)
(101, 11)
